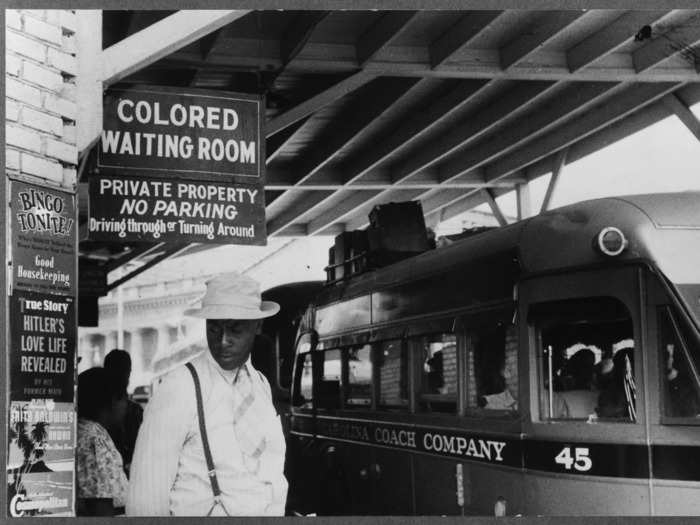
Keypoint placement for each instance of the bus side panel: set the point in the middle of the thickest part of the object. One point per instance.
(586, 496)
(355, 464)
(487, 484)
(676, 498)
(435, 486)
(393, 483)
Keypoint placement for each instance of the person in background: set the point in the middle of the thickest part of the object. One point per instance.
(682, 397)
(118, 365)
(101, 481)
(617, 398)
(581, 400)
(236, 465)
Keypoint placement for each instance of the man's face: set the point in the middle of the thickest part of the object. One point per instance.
(231, 341)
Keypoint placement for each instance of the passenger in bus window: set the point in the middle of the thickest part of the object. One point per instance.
(618, 399)
(496, 395)
(580, 399)
(434, 369)
(682, 397)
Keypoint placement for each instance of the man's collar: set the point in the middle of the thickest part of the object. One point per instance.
(229, 375)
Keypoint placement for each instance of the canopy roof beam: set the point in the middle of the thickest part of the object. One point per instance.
(313, 104)
(557, 167)
(490, 198)
(459, 35)
(382, 33)
(683, 113)
(160, 40)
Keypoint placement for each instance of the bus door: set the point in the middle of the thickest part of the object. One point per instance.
(674, 401)
(585, 447)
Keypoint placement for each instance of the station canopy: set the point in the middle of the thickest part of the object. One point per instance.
(452, 108)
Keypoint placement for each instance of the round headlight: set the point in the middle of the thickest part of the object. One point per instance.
(611, 241)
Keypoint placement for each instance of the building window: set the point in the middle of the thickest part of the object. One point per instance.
(392, 365)
(492, 350)
(587, 360)
(359, 363)
(438, 386)
(679, 379)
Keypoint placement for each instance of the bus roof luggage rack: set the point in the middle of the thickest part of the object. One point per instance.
(396, 231)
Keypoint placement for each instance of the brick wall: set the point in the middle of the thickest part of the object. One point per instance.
(40, 95)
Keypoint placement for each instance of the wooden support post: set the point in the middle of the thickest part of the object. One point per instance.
(682, 111)
(495, 208)
(559, 162)
(88, 82)
(522, 194)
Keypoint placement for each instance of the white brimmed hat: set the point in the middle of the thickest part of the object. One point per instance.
(232, 296)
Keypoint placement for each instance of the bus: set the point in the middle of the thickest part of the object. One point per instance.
(548, 367)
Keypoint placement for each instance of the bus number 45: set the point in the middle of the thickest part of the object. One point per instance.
(580, 461)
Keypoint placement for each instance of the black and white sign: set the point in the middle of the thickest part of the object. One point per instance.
(183, 133)
(148, 209)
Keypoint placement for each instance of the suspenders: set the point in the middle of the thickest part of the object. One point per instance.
(211, 471)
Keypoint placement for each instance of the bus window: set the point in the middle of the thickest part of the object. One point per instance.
(587, 352)
(305, 378)
(438, 392)
(681, 392)
(328, 392)
(392, 364)
(359, 376)
(493, 367)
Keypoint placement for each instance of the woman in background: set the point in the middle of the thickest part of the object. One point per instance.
(102, 483)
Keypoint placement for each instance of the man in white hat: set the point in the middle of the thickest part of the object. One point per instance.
(241, 473)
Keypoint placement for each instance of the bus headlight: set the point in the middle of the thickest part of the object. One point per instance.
(611, 241)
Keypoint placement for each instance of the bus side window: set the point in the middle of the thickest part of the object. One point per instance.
(359, 366)
(392, 365)
(493, 367)
(681, 389)
(587, 360)
(328, 391)
(304, 391)
(438, 357)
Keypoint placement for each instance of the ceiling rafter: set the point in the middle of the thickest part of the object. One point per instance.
(313, 104)
(295, 38)
(301, 204)
(567, 104)
(515, 101)
(609, 38)
(356, 118)
(683, 113)
(637, 121)
(406, 132)
(276, 143)
(623, 104)
(519, 100)
(414, 61)
(460, 35)
(678, 41)
(542, 30)
(382, 33)
(615, 108)
(572, 100)
(159, 40)
(418, 125)
(376, 99)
